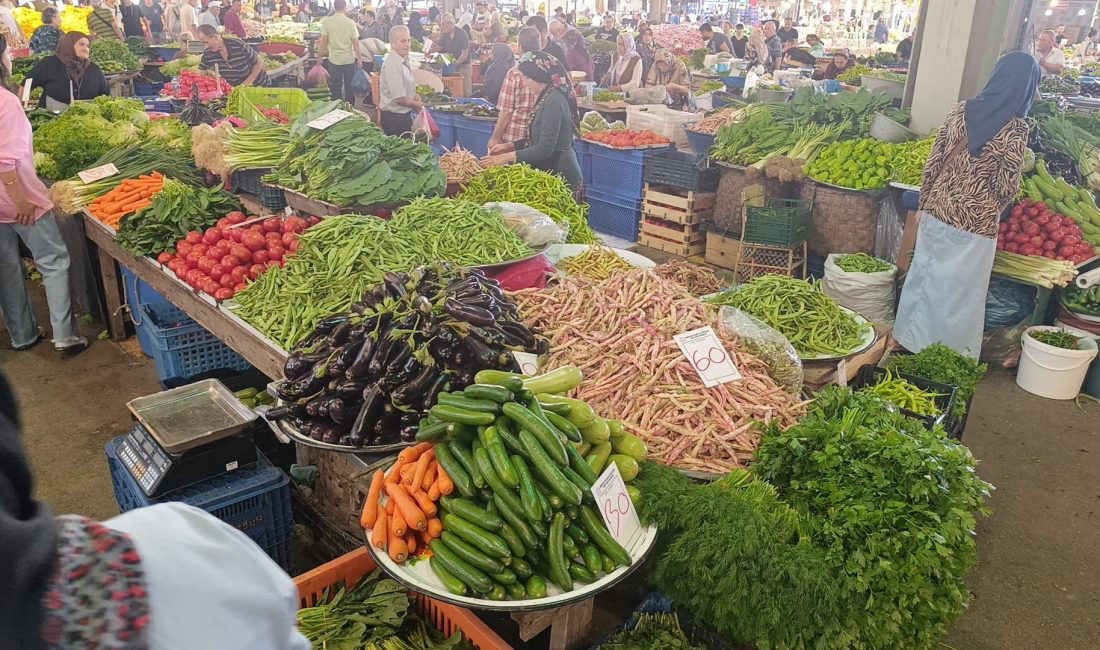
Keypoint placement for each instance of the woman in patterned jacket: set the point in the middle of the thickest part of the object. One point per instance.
(972, 175)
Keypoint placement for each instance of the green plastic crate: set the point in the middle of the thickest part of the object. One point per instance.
(292, 101)
(782, 222)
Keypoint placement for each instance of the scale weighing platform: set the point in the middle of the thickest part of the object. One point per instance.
(186, 435)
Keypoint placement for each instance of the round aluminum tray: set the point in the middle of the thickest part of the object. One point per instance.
(501, 265)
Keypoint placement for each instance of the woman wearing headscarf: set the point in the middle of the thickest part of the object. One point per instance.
(576, 55)
(646, 49)
(503, 61)
(672, 73)
(626, 68)
(756, 52)
(971, 176)
(68, 75)
(549, 142)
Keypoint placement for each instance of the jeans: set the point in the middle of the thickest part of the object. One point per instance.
(52, 259)
(341, 76)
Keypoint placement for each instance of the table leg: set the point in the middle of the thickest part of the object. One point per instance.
(568, 624)
(108, 272)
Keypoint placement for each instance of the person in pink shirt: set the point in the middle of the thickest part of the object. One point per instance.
(232, 20)
(26, 214)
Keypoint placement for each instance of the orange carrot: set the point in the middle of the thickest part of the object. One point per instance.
(422, 467)
(433, 491)
(425, 503)
(410, 454)
(395, 473)
(397, 524)
(391, 506)
(429, 476)
(435, 528)
(407, 506)
(379, 532)
(446, 485)
(397, 548)
(410, 541)
(370, 506)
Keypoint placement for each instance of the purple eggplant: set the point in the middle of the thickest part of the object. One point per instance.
(344, 358)
(415, 387)
(438, 386)
(368, 414)
(466, 313)
(337, 411)
(381, 353)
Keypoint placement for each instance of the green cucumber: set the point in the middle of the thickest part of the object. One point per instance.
(516, 591)
(491, 392)
(507, 431)
(540, 429)
(580, 466)
(527, 534)
(462, 416)
(548, 470)
(498, 455)
(466, 457)
(450, 464)
(597, 459)
(449, 580)
(580, 573)
(536, 587)
(577, 533)
(510, 380)
(561, 409)
(583, 447)
(598, 432)
(580, 413)
(496, 486)
(634, 493)
(584, 486)
(528, 493)
(470, 575)
(475, 514)
(497, 592)
(571, 548)
(544, 503)
(557, 563)
(436, 432)
(488, 542)
(607, 563)
(565, 426)
(557, 381)
(522, 568)
(505, 577)
(470, 554)
(459, 400)
(596, 530)
(591, 556)
(515, 544)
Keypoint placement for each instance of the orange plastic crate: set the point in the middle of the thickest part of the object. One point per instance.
(447, 618)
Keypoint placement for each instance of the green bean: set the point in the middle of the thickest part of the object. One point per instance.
(905, 395)
(862, 263)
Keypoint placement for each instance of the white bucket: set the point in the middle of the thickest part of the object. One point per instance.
(1053, 372)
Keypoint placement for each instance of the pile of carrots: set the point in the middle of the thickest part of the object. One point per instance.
(128, 197)
(408, 519)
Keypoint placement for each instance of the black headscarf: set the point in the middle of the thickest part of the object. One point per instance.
(503, 61)
(547, 69)
(28, 538)
(1008, 94)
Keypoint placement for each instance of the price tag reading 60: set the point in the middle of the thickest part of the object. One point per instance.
(708, 356)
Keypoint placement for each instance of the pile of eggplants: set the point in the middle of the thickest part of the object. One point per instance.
(367, 376)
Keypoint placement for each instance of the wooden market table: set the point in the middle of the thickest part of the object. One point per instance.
(262, 353)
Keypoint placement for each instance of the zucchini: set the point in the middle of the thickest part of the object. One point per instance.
(516, 591)
(515, 544)
(580, 413)
(475, 578)
(558, 565)
(436, 432)
(578, 465)
(510, 380)
(580, 573)
(628, 467)
(561, 424)
(542, 431)
(597, 459)
(466, 458)
(462, 416)
(591, 556)
(536, 587)
(507, 431)
(470, 554)
(449, 580)
(548, 470)
(598, 432)
(461, 401)
(557, 381)
(493, 444)
(583, 447)
(450, 464)
(596, 530)
(491, 392)
(528, 493)
(496, 486)
(634, 493)
(630, 445)
(522, 568)
(559, 408)
(475, 514)
(615, 427)
(490, 543)
(246, 393)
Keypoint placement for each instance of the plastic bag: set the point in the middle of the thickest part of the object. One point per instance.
(871, 295)
(1006, 302)
(424, 122)
(1002, 346)
(360, 82)
(317, 76)
(533, 227)
(888, 230)
(761, 341)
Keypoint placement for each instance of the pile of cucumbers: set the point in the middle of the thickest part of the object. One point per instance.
(523, 458)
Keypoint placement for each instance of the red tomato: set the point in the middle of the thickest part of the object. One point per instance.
(192, 262)
(256, 270)
(165, 258)
(1049, 245)
(1012, 247)
(176, 263)
(273, 224)
(234, 234)
(183, 248)
(1031, 228)
(253, 240)
(293, 246)
(192, 274)
(271, 263)
(260, 257)
(181, 272)
(223, 294)
(194, 237)
(239, 273)
(288, 237)
(235, 217)
(205, 264)
(223, 223)
(239, 287)
(217, 271)
(276, 252)
(1067, 251)
(212, 236)
(1036, 241)
(1071, 240)
(227, 280)
(241, 253)
(229, 261)
(211, 287)
(313, 221)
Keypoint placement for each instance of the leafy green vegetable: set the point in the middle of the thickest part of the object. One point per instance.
(85, 132)
(892, 505)
(940, 363)
(174, 67)
(175, 210)
(652, 631)
(171, 134)
(113, 55)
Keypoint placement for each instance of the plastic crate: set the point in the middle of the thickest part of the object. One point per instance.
(689, 171)
(292, 101)
(138, 293)
(253, 499)
(248, 180)
(779, 223)
(660, 119)
(272, 198)
(163, 105)
(146, 89)
(869, 375)
(181, 347)
(700, 143)
(620, 173)
(446, 123)
(584, 159)
(347, 569)
(613, 215)
(473, 135)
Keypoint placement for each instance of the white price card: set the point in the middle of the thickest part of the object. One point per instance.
(528, 362)
(616, 507)
(328, 119)
(97, 173)
(708, 356)
(842, 373)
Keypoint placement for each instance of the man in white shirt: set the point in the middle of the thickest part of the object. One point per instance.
(210, 16)
(398, 99)
(1051, 59)
(188, 20)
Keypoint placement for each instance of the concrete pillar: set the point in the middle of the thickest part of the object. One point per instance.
(956, 45)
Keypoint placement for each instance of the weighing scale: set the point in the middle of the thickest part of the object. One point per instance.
(186, 435)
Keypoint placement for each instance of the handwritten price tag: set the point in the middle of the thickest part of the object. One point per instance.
(329, 119)
(708, 356)
(528, 362)
(616, 506)
(98, 173)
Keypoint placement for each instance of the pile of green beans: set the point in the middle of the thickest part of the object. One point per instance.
(1060, 339)
(813, 322)
(863, 263)
(905, 395)
(341, 257)
(540, 190)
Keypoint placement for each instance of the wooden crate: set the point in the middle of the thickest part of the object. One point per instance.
(722, 251)
(671, 230)
(819, 374)
(680, 206)
(675, 247)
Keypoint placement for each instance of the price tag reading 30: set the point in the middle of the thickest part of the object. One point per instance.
(97, 173)
(616, 506)
(708, 356)
(528, 362)
(328, 119)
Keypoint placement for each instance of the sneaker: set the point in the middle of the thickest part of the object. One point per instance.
(37, 339)
(71, 347)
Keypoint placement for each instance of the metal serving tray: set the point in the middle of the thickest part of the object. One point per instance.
(189, 416)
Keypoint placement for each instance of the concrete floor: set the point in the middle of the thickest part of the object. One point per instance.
(1036, 585)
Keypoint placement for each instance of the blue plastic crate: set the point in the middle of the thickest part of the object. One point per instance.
(473, 135)
(146, 89)
(253, 499)
(446, 123)
(138, 293)
(613, 215)
(619, 173)
(584, 158)
(272, 198)
(181, 347)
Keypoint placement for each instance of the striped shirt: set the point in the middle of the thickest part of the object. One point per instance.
(102, 23)
(236, 68)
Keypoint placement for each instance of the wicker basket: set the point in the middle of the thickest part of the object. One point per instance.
(844, 220)
(732, 181)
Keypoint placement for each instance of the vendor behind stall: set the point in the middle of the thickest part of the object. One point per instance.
(237, 62)
(576, 55)
(672, 73)
(503, 61)
(841, 62)
(68, 75)
(455, 43)
(396, 86)
(549, 144)
(626, 68)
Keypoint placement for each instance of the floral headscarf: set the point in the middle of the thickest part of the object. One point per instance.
(630, 52)
(675, 71)
(545, 68)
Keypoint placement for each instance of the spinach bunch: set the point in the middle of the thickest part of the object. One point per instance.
(656, 631)
(175, 210)
(940, 363)
(892, 505)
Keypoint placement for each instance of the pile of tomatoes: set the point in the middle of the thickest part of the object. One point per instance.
(222, 260)
(1033, 228)
(209, 87)
(626, 138)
